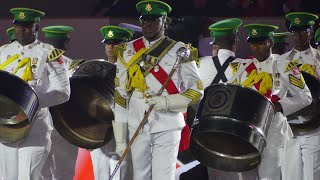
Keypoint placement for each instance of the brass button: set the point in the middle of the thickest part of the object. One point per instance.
(147, 95)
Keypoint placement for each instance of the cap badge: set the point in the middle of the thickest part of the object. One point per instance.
(110, 34)
(254, 32)
(297, 20)
(148, 7)
(21, 15)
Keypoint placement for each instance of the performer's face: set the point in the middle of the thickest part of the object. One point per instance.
(109, 49)
(302, 37)
(261, 49)
(24, 34)
(152, 27)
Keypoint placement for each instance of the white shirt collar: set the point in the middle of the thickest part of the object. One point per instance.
(150, 43)
(28, 46)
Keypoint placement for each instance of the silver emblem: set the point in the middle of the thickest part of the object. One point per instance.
(141, 63)
(156, 68)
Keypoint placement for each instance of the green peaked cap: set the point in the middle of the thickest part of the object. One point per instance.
(280, 37)
(26, 14)
(10, 32)
(301, 18)
(225, 27)
(258, 31)
(116, 33)
(153, 7)
(57, 31)
(317, 36)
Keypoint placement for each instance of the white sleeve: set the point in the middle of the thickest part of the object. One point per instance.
(58, 90)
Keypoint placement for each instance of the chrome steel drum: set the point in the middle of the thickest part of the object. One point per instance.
(232, 126)
(86, 119)
(311, 113)
(18, 107)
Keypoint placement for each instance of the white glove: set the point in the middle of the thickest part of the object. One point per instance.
(173, 103)
(120, 131)
(160, 103)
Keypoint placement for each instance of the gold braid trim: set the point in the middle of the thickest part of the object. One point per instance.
(291, 65)
(193, 95)
(254, 77)
(118, 53)
(119, 99)
(193, 53)
(55, 54)
(308, 68)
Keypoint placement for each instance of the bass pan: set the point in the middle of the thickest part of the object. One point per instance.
(18, 106)
(230, 131)
(86, 119)
(311, 113)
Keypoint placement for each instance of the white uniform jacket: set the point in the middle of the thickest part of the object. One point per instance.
(300, 95)
(50, 80)
(207, 69)
(186, 78)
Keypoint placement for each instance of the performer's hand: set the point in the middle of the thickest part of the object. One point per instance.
(160, 103)
(173, 103)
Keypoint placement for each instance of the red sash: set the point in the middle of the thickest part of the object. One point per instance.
(171, 88)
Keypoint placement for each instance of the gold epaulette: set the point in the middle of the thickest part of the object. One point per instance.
(55, 54)
(118, 52)
(198, 60)
(235, 66)
(193, 53)
(290, 65)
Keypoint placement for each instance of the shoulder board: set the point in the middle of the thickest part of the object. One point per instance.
(193, 53)
(235, 66)
(75, 63)
(290, 65)
(55, 54)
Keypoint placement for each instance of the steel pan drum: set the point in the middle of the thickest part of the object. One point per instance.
(311, 113)
(18, 107)
(86, 119)
(232, 126)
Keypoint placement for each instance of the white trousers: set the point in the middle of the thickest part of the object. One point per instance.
(154, 156)
(273, 155)
(101, 159)
(24, 159)
(303, 158)
(60, 164)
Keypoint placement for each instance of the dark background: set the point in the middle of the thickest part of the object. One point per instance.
(191, 19)
(125, 8)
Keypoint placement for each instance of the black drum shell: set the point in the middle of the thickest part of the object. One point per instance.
(18, 99)
(233, 122)
(86, 119)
